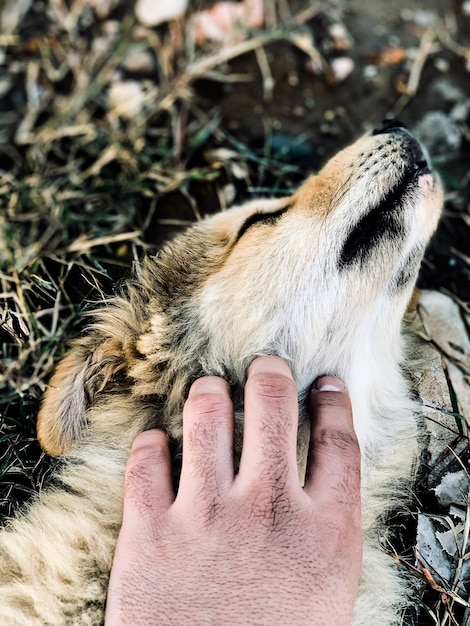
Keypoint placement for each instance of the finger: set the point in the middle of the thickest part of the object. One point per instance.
(148, 490)
(207, 439)
(333, 470)
(271, 417)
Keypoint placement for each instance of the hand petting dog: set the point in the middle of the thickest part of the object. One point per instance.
(251, 547)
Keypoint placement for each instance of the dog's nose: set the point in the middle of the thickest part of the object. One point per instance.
(388, 126)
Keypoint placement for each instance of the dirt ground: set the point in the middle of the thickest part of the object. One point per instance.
(314, 118)
(304, 117)
(408, 60)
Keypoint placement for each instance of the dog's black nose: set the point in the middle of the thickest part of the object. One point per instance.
(388, 126)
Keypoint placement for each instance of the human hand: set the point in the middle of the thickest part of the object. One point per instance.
(250, 548)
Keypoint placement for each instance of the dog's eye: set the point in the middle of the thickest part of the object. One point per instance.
(264, 218)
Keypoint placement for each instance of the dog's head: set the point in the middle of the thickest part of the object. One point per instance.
(321, 278)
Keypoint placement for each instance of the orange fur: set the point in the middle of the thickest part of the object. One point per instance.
(321, 278)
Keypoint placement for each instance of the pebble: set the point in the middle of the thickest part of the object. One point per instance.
(460, 111)
(153, 12)
(139, 61)
(442, 65)
(440, 134)
(293, 79)
(126, 98)
(425, 18)
(342, 40)
(370, 72)
(342, 67)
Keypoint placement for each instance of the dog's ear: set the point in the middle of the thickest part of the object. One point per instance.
(93, 364)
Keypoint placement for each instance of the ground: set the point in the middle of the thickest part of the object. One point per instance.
(114, 135)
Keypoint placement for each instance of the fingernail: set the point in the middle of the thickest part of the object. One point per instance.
(272, 364)
(208, 384)
(329, 383)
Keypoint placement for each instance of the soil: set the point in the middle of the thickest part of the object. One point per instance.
(309, 117)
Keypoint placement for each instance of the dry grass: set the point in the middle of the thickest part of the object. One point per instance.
(83, 183)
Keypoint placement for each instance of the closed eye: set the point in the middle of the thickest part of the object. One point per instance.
(261, 218)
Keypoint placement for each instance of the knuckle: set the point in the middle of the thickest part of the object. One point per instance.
(149, 443)
(338, 442)
(273, 387)
(205, 417)
(211, 405)
(340, 528)
(149, 447)
(331, 399)
(343, 517)
(271, 507)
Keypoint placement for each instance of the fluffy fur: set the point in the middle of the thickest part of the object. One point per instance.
(321, 278)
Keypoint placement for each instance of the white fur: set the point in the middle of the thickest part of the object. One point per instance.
(210, 304)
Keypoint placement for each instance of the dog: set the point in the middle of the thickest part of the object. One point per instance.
(321, 278)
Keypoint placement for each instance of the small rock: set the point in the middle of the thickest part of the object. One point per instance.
(227, 20)
(442, 65)
(126, 98)
(370, 72)
(440, 134)
(139, 61)
(341, 37)
(341, 67)
(425, 18)
(460, 111)
(153, 12)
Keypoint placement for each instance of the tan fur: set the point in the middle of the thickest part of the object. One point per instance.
(305, 284)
